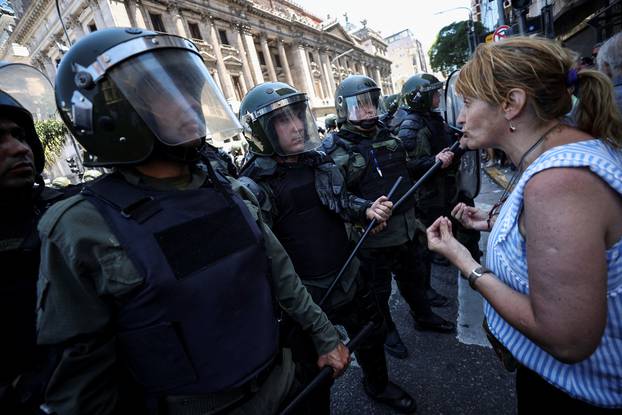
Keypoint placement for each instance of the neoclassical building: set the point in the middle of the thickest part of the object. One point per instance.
(243, 42)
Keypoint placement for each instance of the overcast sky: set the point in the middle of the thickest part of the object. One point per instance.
(392, 16)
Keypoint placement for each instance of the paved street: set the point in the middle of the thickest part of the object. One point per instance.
(448, 374)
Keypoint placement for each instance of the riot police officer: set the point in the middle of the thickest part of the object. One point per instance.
(167, 301)
(23, 199)
(330, 123)
(371, 159)
(303, 196)
(391, 104)
(421, 127)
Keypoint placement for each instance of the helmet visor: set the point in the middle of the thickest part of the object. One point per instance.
(291, 129)
(172, 91)
(30, 88)
(365, 106)
(438, 101)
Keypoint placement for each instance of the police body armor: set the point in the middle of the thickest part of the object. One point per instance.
(19, 353)
(441, 190)
(385, 160)
(186, 331)
(302, 218)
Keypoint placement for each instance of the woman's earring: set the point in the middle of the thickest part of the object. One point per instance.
(512, 128)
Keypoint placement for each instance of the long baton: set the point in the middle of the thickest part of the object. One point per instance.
(356, 248)
(327, 371)
(455, 148)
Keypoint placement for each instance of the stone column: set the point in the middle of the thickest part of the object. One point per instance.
(353, 65)
(141, 15)
(323, 81)
(252, 54)
(169, 19)
(301, 65)
(243, 84)
(217, 79)
(178, 23)
(98, 17)
(227, 84)
(267, 57)
(284, 62)
(119, 13)
(328, 73)
(364, 68)
(379, 79)
(239, 43)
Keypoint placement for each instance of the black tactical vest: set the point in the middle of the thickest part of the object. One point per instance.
(204, 321)
(314, 236)
(386, 160)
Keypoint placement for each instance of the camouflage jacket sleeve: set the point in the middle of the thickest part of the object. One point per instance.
(419, 150)
(333, 192)
(351, 165)
(289, 290)
(80, 267)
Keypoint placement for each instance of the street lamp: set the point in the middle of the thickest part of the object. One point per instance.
(470, 26)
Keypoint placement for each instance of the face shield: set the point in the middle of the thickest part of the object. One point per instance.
(438, 101)
(453, 100)
(171, 90)
(30, 88)
(364, 107)
(291, 127)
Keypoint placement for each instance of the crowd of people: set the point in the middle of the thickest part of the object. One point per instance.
(183, 281)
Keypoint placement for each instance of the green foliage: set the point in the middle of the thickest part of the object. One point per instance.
(450, 50)
(53, 135)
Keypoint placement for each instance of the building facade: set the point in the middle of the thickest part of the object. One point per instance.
(580, 24)
(407, 57)
(243, 42)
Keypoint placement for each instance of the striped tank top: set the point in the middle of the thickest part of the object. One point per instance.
(598, 379)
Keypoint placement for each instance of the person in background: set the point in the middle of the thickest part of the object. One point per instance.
(24, 367)
(609, 61)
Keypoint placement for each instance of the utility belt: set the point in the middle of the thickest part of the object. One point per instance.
(219, 402)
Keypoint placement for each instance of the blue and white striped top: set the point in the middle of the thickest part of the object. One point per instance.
(598, 379)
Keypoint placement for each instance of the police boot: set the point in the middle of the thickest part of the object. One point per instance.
(433, 322)
(394, 345)
(393, 396)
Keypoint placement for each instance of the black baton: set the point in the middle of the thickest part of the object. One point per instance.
(455, 148)
(327, 371)
(356, 248)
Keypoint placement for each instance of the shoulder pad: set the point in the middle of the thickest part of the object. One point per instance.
(412, 122)
(56, 211)
(259, 167)
(258, 191)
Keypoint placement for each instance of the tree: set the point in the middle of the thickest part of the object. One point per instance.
(450, 50)
(53, 135)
